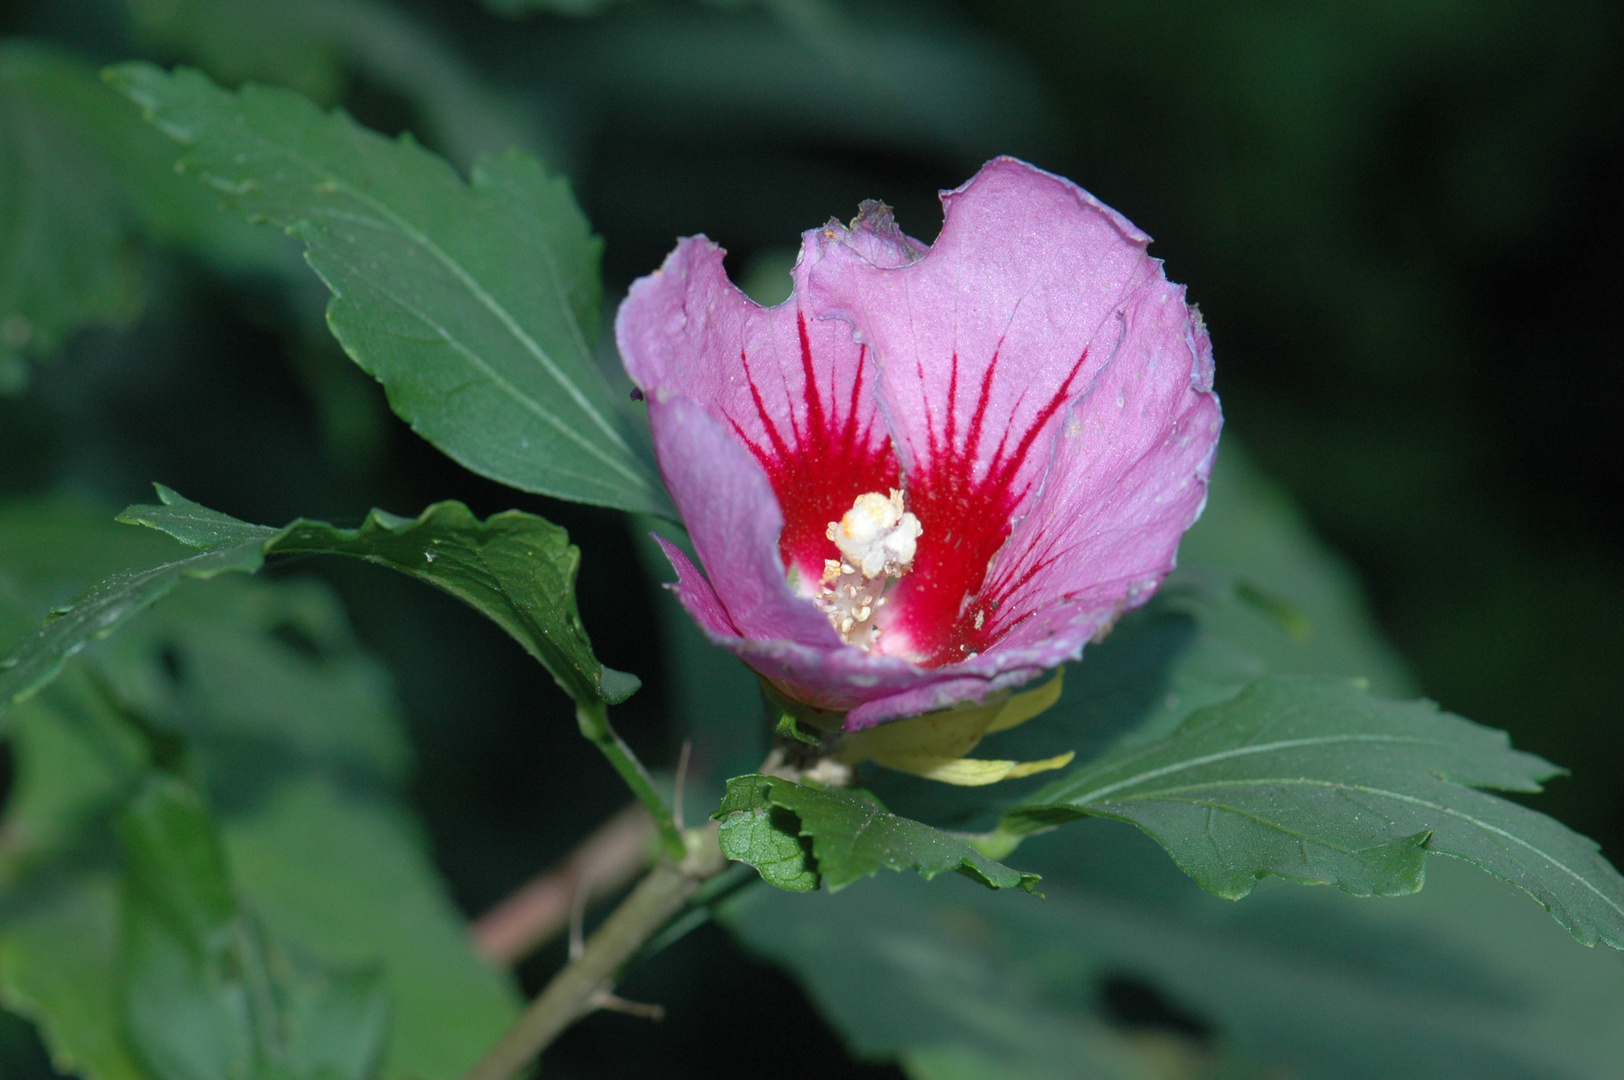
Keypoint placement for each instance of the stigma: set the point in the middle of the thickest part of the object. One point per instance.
(876, 539)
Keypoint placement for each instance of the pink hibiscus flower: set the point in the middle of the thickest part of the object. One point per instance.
(935, 471)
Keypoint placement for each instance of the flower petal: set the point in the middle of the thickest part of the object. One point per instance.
(1129, 476)
(941, 689)
(1047, 397)
(982, 345)
(734, 521)
(696, 593)
(796, 391)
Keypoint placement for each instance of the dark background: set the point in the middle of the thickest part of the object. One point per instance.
(1401, 220)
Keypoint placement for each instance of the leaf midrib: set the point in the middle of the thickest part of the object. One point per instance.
(1243, 751)
(1365, 789)
(491, 304)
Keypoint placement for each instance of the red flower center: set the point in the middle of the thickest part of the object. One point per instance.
(817, 471)
(939, 608)
(937, 613)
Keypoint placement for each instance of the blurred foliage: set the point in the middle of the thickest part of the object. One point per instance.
(258, 694)
(69, 260)
(1399, 219)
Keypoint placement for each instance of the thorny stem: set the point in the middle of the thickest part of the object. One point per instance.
(593, 718)
(586, 979)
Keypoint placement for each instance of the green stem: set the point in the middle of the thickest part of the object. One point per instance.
(593, 718)
(651, 905)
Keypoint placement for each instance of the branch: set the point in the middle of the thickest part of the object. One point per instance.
(603, 863)
(575, 990)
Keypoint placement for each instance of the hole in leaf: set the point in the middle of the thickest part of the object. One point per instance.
(1131, 1002)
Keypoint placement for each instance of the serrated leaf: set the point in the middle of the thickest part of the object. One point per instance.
(1462, 981)
(263, 678)
(515, 568)
(852, 836)
(1317, 781)
(456, 296)
(765, 836)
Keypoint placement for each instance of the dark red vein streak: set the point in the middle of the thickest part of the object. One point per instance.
(828, 460)
(965, 521)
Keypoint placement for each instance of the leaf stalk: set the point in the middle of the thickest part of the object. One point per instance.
(593, 718)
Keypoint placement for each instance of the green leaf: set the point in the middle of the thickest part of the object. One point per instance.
(852, 836)
(767, 837)
(461, 298)
(1462, 981)
(348, 880)
(296, 733)
(261, 678)
(1157, 666)
(515, 568)
(66, 253)
(102, 609)
(1317, 781)
(59, 966)
(53, 548)
(207, 994)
